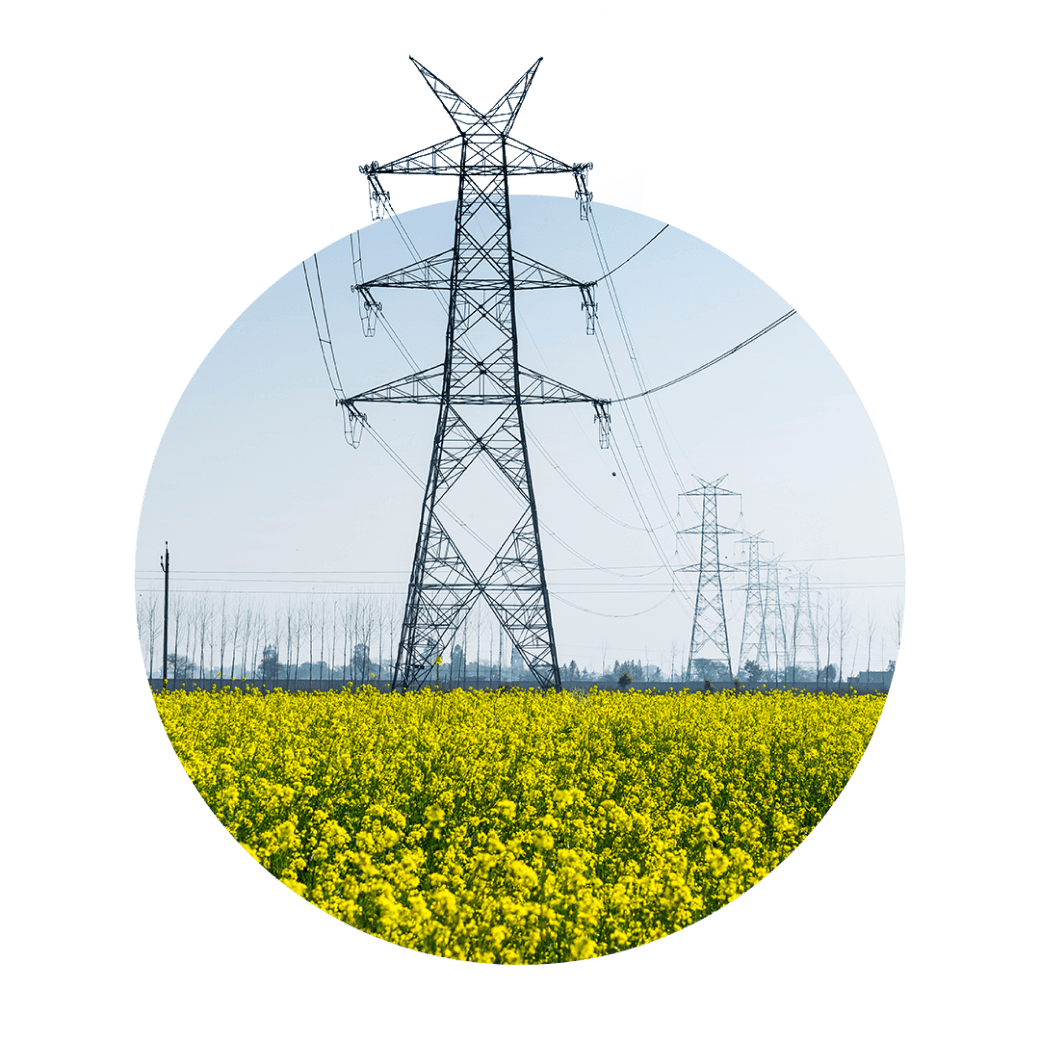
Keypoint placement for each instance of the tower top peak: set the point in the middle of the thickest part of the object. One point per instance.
(498, 119)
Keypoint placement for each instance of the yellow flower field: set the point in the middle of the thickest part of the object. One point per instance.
(514, 826)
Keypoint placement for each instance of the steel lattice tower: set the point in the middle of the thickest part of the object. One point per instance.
(773, 623)
(754, 638)
(709, 610)
(481, 274)
(803, 625)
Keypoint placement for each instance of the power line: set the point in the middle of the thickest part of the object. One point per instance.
(635, 254)
(600, 613)
(325, 340)
(591, 588)
(553, 570)
(714, 361)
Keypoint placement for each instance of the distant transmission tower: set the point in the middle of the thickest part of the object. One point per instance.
(754, 638)
(481, 274)
(804, 645)
(709, 610)
(773, 621)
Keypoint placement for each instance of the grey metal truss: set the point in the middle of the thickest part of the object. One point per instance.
(709, 610)
(754, 638)
(481, 274)
(804, 644)
(773, 623)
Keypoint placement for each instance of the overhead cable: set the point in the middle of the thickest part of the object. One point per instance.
(599, 613)
(325, 340)
(714, 361)
(636, 253)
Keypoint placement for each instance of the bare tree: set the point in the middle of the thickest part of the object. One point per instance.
(478, 623)
(308, 619)
(828, 632)
(259, 636)
(203, 619)
(897, 617)
(301, 618)
(465, 652)
(333, 627)
(323, 618)
(791, 662)
(501, 651)
(346, 615)
(872, 627)
(248, 621)
(190, 633)
(235, 631)
(372, 633)
(392, 612)
(365, 627)
(191, 645)
(274, 624)
(844, 629)
(148, 626)
(223, 631)
(177, 610)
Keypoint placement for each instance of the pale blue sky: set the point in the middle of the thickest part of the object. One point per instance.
(253, 474)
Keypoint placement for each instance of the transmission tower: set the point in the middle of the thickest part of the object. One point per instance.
(803, 626)
(481, 274)
(754, 640)
(773, 620)
(709, 610)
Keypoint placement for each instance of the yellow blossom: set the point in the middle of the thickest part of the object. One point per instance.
(513, 826)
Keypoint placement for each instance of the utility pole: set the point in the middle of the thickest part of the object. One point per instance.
(709, 610)
(165, 564)
(481, 274)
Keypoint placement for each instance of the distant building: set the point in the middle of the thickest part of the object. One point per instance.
(871, 680)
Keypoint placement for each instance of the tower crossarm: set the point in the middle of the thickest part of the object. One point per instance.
(701, 529)
(435, 272)
(486, 157)
(484, 387)
(711, 568)
(414, 388)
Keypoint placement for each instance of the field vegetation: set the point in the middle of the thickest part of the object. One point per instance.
(514, 826)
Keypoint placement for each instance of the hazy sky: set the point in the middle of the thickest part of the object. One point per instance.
(256, 489)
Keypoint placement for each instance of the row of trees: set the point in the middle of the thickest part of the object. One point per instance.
(223, 634)
(216, 635)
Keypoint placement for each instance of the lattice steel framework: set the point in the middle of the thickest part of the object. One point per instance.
(754, 638)
(804, 643)
(481, 274)
(709, 610)
(775, 629)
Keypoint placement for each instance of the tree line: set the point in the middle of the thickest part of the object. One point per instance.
(224, 635)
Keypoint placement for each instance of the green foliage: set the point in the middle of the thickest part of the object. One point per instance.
(753, 671)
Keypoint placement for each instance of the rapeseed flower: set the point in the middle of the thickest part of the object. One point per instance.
(515, 827)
